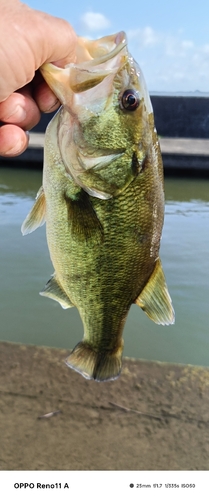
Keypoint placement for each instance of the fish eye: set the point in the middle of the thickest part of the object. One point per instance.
(130, 100)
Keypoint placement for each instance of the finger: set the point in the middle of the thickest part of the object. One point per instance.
(43, 95)
(45, 98)
(20, 109)
(31, 39)
(60, 43)
(13, 140)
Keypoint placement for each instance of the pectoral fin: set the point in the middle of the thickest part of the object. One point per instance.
(36, 216)
(54, 291)
(84, 222)
(155, 299)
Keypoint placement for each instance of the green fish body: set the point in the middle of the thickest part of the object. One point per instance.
(103, 201)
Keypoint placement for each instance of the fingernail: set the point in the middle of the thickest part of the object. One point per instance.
(17, 148)
(54, 103)
(18, 114)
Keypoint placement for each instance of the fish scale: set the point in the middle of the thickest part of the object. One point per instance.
(103, 202)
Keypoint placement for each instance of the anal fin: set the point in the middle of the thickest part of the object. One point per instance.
(54, 291)
(155, 299)
(36, 216)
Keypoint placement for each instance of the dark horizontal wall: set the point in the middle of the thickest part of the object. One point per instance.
(45, 119)
(174, 116)
(181, 116)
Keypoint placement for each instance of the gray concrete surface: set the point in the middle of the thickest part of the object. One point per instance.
(179, 154)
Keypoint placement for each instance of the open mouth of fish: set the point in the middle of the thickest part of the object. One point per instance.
(96, 59)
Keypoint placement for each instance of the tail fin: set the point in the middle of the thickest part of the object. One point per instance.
(100, 366)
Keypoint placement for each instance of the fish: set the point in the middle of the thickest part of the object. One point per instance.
(102, 199)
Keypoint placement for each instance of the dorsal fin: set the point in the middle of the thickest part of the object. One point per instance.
(36, 216)
(155, 299)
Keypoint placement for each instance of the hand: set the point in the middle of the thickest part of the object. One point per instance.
(28, 38)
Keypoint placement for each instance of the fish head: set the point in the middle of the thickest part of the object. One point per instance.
(106, 120)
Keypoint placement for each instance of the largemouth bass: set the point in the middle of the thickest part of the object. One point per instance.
(103, 201)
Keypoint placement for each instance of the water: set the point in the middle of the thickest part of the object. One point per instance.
(28, 318)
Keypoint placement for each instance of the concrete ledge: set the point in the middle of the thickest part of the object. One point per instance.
(189, 147)
(153, 417)
(180, 156)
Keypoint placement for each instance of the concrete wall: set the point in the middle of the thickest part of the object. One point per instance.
(181, 116)
(175, 116)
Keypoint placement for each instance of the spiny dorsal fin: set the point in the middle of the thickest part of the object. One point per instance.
(155, 299)
(54, 291)
(36, 216)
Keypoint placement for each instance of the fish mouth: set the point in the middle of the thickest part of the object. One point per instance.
(96, 59)
(86, 90)
(100, 51)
